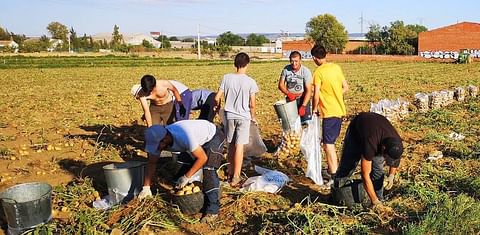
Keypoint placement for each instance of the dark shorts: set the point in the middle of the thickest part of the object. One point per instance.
(331, 129)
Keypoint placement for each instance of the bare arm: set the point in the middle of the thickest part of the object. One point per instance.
(146, 110)
(316, 98)
(175, 92)
(218, 99)
(308, 94)
(345, 86)
(252, 107)
(392, 170)
(281, 86)
(201, 158)
(366, 166)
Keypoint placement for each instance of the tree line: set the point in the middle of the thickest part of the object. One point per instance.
(397, 38)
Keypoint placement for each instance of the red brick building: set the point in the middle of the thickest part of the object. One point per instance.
(447, 41)
(304, 46)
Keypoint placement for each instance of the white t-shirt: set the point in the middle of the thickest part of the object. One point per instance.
(180, 86)
(190, 134)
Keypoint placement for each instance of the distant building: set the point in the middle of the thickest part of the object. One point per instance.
(129, 39)
(11, 44)
(54, 44)
(448, 41)
(181, 45)
(355, 41)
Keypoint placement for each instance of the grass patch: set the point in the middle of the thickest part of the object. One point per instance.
(458, 215)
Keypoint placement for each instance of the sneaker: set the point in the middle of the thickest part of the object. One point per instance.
(209, 218)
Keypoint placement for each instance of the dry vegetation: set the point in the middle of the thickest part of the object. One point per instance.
(64, 118)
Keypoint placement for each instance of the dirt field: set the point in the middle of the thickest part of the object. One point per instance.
(61, 125)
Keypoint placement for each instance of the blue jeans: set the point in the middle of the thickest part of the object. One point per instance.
(211, 183)
(351, 155)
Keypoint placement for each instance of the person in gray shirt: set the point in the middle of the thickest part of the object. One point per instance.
(238, 90)
(296, 83)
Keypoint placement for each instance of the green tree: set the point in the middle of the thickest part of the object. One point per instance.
(117, 39)
(18, 38)
(416, 28)
(58, 31)
(147, 44)
(44, 42)
(256, 40)
(230, 39)
(397, 39)
(173, 38)
(165, 41)
(327, 31)
(74, 40)
(4, 34)
(85, 43)
(188, 40)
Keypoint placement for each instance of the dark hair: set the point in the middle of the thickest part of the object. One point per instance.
(295, 54)
(148, 82)
(241, 60)
(393, 147)
(318, 51)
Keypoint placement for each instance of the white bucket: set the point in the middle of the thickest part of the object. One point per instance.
(287, 112)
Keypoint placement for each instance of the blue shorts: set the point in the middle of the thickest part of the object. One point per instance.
(331, 129)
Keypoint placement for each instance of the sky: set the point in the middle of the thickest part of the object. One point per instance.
(213, 17)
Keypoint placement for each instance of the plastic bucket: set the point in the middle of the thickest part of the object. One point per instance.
(27, 206)
(124, 180)
(287, 112)
(191, 203)
(350, 194)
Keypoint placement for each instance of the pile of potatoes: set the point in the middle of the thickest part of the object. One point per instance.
(290, 145)
(189, 189)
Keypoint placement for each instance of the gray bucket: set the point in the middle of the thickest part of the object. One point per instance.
(27, 206)
(124, 180)
(287, 112)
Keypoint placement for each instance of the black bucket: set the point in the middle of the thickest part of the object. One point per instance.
(27, 206)
(191, 203)
(350, 194)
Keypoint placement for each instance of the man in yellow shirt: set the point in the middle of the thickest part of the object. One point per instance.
(329, 87)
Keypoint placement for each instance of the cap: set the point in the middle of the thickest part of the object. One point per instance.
(153, 136)
(393, 147)
(135, 90)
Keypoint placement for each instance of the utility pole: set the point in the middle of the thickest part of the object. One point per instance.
(361, 23)
(198, 42)
(69, 50)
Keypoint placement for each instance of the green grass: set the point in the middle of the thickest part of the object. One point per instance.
(40, 96)
(457, 215)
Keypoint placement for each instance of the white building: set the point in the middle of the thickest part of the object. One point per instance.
(129, 39)
(54, 44)
(11, 44)
(181, 45)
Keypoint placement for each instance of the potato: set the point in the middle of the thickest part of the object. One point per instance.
(196, 189)
(180, 193)
(188, 192)
(187, 188)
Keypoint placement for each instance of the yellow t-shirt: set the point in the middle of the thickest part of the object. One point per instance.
(329, 77)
